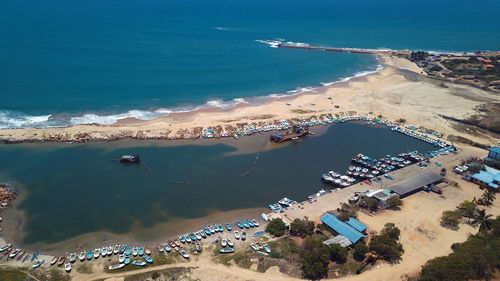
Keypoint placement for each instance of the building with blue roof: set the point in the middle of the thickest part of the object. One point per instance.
(493, 158)
(488, 179)
(359, 226)
(332, 222)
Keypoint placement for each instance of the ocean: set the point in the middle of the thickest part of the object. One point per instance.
(78, 62)
(70, 190)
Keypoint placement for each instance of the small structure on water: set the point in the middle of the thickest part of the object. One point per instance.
(129, 159)
(297, 132)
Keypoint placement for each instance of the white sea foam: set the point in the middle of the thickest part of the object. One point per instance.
(11, 119)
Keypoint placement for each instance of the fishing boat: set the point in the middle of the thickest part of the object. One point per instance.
(141, 251)
(38, 263)
(244, 236)
(171, 243)
(207, 231)
(250, 223)
(104, 251)
(239, 224)
(259, 233)
(188, 239)
(259, 246)
(202, 233)
(81, 257)
(139, 263)
(236, 234)
(147, 251)
(211, 228)
(122, 249)
(184, 254)
(129, 159)
(53, 261)
(72, 258)
(254, 247)
(128, 251)
(245, 224)
(167, 248)
(67, 267)
(159, 249)
(223, 242)
(182, 238)
(198, 247)
(148, 259)
(116, 250)
(226, 250)
(7, 252)
(89, 255)
(255, 222)
(35, 255)
(228, 227)
(230, 243)
(97, 253)
(110, 251)
(61, 260)
(127, 260)
(220, 228)
(267, 248)
(198, 236)
(389, 177)
(26, 258)
(264, 217)
(20, 256)
(121, 258)
(116, 266)
(135, 251)
(5, 248)
(14, 253)
(192, 236)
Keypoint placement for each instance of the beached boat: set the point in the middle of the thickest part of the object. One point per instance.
(267, 248)
(389, 177)
(264, 217)
(104, 251)
(192, 236)
(167, 248)
(182, 238)
(81, 257)
(198, 247)
(21, 255)
(121, 258)
(5, 248)
(141, 251)
(38, 263)
(230, 243)
(188, 239)
(35, 255)
(198, 236)
(26, 257)
(127, 260)
(228, 227)
(147, 251)
(139, 263)
(135, 251)
(184, 254)
(89, 255)
(116, 266)
(61, 260)
(226, 250)
(259, 233)
(244, 235)
(7, 252)
(236, 234)
(202, 233)
(223, 242)
(250, 223)
(171, 243)
(160, 249)
(245, 224)
(67, 267)
(255, 222)
(254, 247)
(148, 259)
(53, 261)
(116, 250)
(207, 231)
(110, 251)
(72, 258)
(14, 253)
(212, 229)
(240, 224)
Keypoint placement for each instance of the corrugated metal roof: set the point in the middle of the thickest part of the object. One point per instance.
(359, 226)
(408, 185)
(342, 228)
(495, 149)
(484, 176)
(339, 239)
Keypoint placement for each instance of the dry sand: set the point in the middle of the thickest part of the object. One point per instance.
(397, 91)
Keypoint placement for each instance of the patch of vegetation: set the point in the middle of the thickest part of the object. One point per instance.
(276, 227)
(467, 209)
(12, 274)
(338, 254)
(477, 258)
(50, 275)
(84, 268)
(302, 227)
(401, 121)
(302, 111)
(240, 258)
(387, 243)
(170, 274)
(451, 219)
(466, 141)
(394, 203)
(315, 257)
(360, 250)
(263, 116)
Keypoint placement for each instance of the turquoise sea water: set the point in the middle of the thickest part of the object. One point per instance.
(70, 62)
(76, 189)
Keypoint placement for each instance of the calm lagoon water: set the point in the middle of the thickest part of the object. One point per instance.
(76, 189)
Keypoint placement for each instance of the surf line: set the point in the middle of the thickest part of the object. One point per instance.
(235, 178)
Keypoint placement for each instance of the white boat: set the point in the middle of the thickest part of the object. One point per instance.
(236, 234)
(254, 247)
(223, 242)
(67, 267)
(110, 251)
(97, 253)
(264, 217)
(53, 261)
(135, 251)
(38, 263)
(147, 251)
(14, 253)
(255, 222)
(81, 257)
(267, 248)
(139, 263)
(184, 254)
(116, 249)
(72, 258)
(198, 236)
(116, 266)
(230, 243)
(121, 258)
(5, 248)
(104, 251)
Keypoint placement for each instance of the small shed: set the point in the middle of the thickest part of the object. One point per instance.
(339, 239)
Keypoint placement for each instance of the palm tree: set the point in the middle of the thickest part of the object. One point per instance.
(483, 220)
(489, 196)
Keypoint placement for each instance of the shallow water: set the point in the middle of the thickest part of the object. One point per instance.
(71, 190)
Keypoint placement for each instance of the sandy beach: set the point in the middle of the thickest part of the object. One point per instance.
(397, 91)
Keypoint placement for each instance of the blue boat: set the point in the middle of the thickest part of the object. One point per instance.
(139, 263)
(192, 236)
(182, 238)
(245, 224)
(35, 255)
(239, 224)
(167, 248)
(389, 177)
(89, 255)
(207, 231)
(258, 233)
(228, 227)
(250, 223)
(127, 259)
(226, 250)
(141, 251)
(148, 259)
